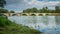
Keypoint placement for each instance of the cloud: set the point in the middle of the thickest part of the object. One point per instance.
(19, 5)
(13, 1)
(44, 3)
(40, 4)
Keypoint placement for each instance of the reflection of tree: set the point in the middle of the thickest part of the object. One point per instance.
(57, 19)
(45, 19)
(34, 20)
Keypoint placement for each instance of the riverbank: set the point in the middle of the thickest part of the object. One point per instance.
(8, 27)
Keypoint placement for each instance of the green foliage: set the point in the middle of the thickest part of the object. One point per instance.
(57, 9)
(32, 10)
(6, 11)
(14, 15)
(2, 3)
(24, 14)
(33, 15)
(40, 14)
(13, 28)
(11, 11)
(4, 21)
(1, 15)
(3, 11)
(47, 14)
(43, 10)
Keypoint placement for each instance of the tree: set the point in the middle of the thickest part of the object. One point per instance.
(27, 11)
(30, 10)
(12, 11)
(2, 3)
(3, 11)
(43, 10)
(34, 10)
(57, 9)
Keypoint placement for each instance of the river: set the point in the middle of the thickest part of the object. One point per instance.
(45, 24)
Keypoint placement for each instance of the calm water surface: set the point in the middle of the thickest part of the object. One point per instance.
(45, 24)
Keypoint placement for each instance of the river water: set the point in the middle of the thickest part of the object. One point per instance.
(45, 24)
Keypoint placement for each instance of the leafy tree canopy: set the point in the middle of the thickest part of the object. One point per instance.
(12, 11)
(43, 10)
(2, 3)
(3, 11)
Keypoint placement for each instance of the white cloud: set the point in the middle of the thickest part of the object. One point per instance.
(35, 2)
(40, 4)
(30, 2)
(19, 5)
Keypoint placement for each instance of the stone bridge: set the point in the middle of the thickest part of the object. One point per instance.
(31, 14)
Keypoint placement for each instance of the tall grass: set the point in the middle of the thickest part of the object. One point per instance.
(9, 27)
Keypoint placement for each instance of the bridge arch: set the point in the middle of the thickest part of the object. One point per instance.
(24, 14)
(14, 15)
(46, 14)
(32, 14)
(40, 14)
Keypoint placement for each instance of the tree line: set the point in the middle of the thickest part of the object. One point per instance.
(6, 11)
(2, 5)
(43, 10)
(29, 10)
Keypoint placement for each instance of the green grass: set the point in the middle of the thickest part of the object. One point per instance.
(9, 27)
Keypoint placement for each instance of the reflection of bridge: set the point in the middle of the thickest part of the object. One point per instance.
(31, 14)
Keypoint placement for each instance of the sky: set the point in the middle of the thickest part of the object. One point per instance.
(20, 5)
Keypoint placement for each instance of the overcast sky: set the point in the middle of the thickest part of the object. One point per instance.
(19, 5)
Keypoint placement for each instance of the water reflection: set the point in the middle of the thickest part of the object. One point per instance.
(46, 24)
(57, 20)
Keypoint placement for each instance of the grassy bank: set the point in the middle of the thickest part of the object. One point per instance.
(8, 27)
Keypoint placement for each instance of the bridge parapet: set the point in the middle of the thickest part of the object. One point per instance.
(30, 14)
